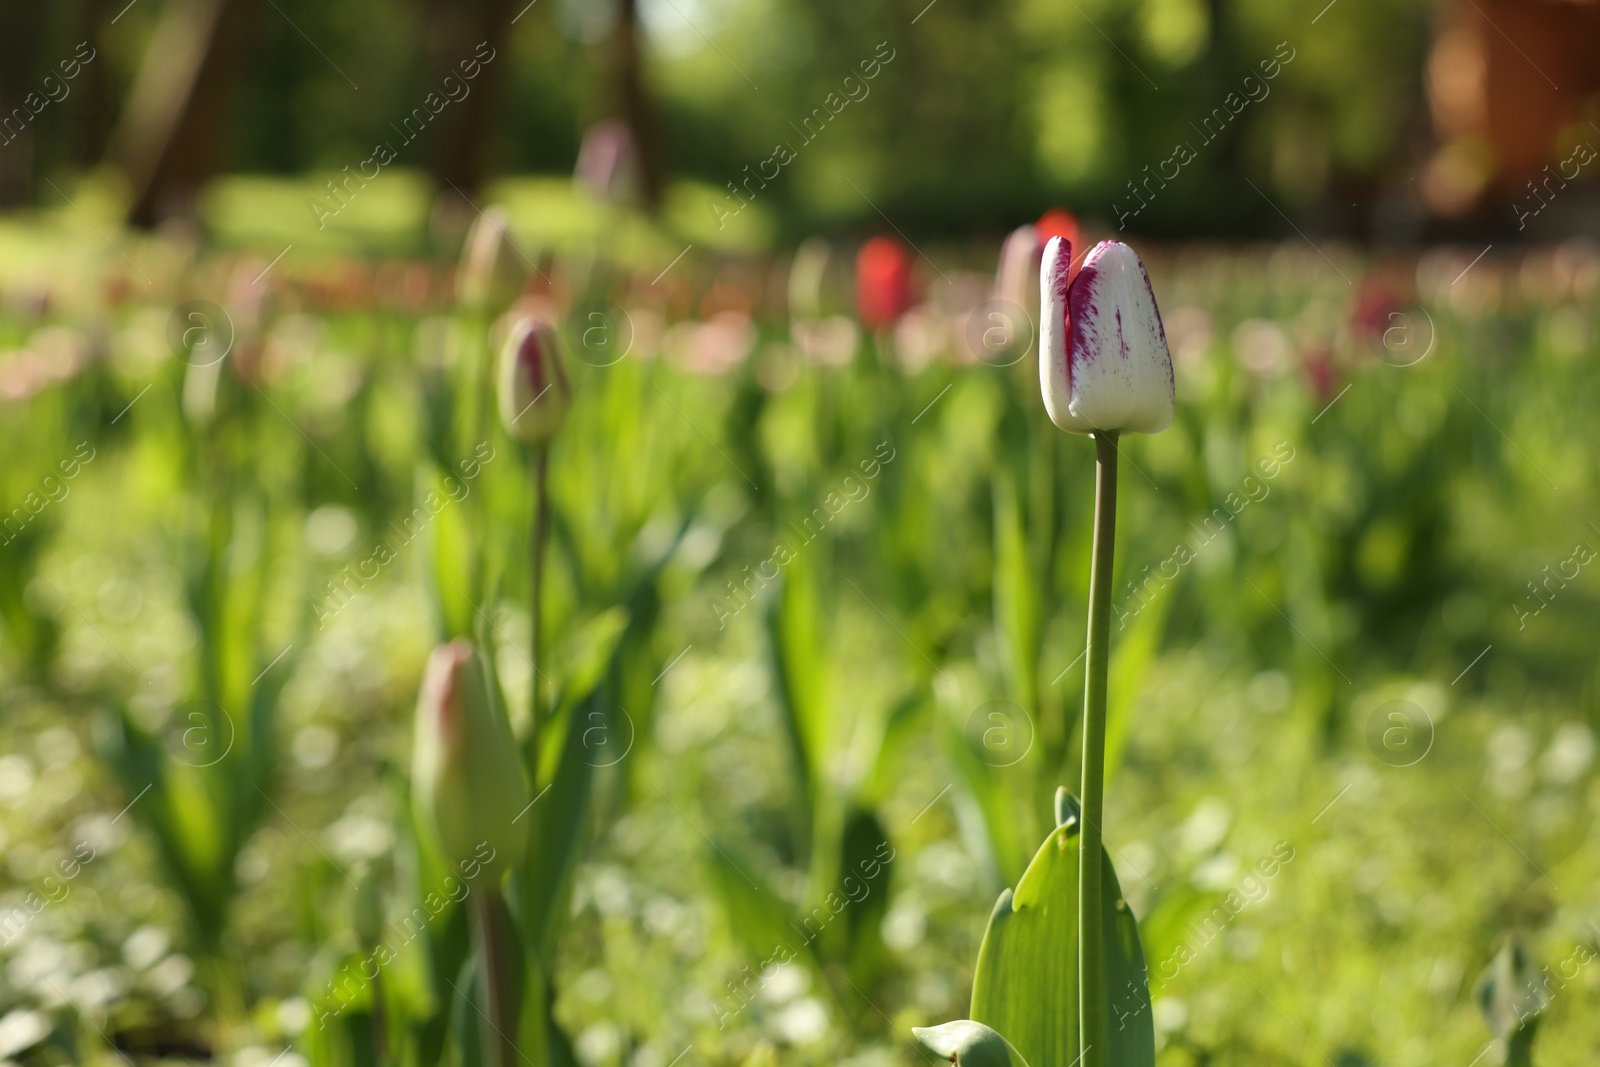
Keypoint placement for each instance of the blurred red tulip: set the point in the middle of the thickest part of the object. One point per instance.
(1317, 360)
(1058, 222)
(1377, 304)
(883, 282)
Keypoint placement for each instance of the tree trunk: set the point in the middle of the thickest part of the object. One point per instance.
(467, 30)
(19, 55)
(166, 141)
(635, 103)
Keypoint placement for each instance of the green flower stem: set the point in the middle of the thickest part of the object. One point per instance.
(380, 1020)
(499, 1049)
(536, 539)
(1091, 946)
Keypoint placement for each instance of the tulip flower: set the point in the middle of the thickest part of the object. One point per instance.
(883, 282)
(806, 274)
(1104, 369)
(1017, 276)
(535, 394)
(465, 766)
(608, 163)
(535, 397)
(480, 254)
(1057, 222)
(1104, 364)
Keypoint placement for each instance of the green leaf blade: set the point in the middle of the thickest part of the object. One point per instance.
(1026, 985)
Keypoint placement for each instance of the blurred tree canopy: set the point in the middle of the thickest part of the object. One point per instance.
(984, 113)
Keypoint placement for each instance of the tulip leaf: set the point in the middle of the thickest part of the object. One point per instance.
(866, 859)
(758, 915)
(969, 1044)
(1138, 637)
(795, 629)
(1165, 926)
(1016, 592)
(1026, 985)
(558, 827)
(1513, 1001)
(987, 786)
(448, 535)
(587, 655)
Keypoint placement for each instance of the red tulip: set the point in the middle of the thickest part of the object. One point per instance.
(883, 282)
(1058, 222)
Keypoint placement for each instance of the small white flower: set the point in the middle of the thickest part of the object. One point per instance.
(1104, 363)
(21, 1030)
(803, 1022)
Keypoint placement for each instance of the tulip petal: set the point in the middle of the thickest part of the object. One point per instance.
(1054, 372)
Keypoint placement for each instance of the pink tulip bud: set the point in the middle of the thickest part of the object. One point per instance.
(535, 394)
(608, 164)
(465, 770)
(1018, 272)
(480, 255)
(1104, 363)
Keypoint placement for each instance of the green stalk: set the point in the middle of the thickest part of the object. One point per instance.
(498, 1048)
(1091, 946)
(380, 1022)
(536, 539)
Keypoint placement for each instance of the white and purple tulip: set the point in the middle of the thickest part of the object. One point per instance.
(1103, 363)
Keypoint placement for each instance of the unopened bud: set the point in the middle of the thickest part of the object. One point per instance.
(480, 255)
(465, 769)
(535, 394)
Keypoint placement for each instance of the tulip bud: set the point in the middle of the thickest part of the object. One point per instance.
(883, 282)
(480, 254)
(806, 274)
(200, 382)
(1018, 273)
(608, 164)
(1104, 363)
(465, 768)
(535, 394)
